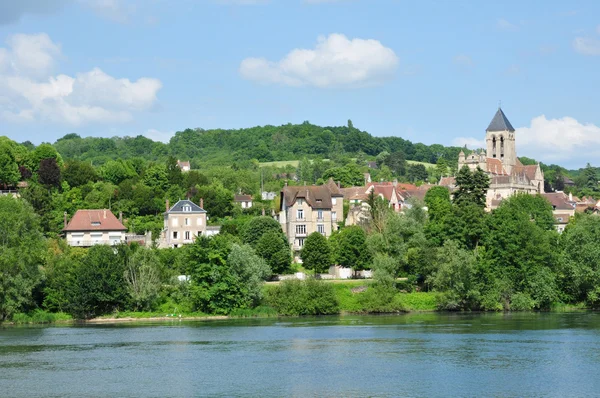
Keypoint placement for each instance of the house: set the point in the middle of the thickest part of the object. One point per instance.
(372, 165)
(562, 208)
(307, 209)
(94, 227)
(183, 223)
(243, 200)
(266, 195)
(184, 166)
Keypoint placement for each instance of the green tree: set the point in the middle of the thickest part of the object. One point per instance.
(78, 173)
(397, 163)
(116, 171)
(44, 151)
(580, 260)
(274, 249)
(9, 169)
(99, 286)
(591, 177)
(348, 175)
(49, 173)
(316, 254)
(218, 201)
(156, 177)
(142, 274)
(22, 254)
(251, 271)
(456, 278)
(472, 186)
(416, 172)
(352, 250)
(257, 227)
(174, 174)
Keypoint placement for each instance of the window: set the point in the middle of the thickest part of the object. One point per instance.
(300, 214)
(321, 229)
(187, 235)
(301, 242)
(333, 216)
(300, 229)
(334, 201)
(187, 221)
(174, 234)
(300, 202)
(199, 233)
(95, 223)
(319, 214)
(175, 222)
(187, 208)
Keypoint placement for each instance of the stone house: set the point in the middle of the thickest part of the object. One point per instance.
(308, 209)
(183, 223)
(184, 166)
(94, 227)
(563, 208)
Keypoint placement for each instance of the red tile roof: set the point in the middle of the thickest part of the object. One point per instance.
(495, 166)
(94, 220)
(558, 200)
(242, 198)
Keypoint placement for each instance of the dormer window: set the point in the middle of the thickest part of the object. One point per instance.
(95, 223)
(187, 208)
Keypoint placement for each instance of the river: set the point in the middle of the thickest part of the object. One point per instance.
(414, 355)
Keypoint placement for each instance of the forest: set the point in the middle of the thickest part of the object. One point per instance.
(467, 258)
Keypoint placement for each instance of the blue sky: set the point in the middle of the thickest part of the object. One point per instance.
(428, 71)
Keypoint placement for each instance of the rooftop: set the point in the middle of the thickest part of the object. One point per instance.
(94, 220)
(500, 122)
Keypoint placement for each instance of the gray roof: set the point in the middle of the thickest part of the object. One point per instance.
(178, 207)
(500, 122)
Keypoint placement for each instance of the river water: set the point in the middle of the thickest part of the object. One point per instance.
(415, 355)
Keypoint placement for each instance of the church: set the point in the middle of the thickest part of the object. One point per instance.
(500, 162)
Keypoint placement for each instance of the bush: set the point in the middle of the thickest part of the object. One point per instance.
(522, 302)
(40, 316)
(296, 297)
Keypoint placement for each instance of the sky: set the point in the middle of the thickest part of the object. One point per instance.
(427, 71)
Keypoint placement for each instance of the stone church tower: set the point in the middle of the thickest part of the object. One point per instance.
(500, 162)
(500, 140)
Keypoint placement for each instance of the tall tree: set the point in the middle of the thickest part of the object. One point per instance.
(472, 186)
(9, 170)
(316, 254)
(23, 250)
(49, 173)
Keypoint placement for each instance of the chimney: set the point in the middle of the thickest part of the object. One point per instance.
(104, 213)
(121, 217)
(570, 197)
(395, 182)
(202, 203)
(339, 185)
(65, 217)
(167, 204)
(263, 212)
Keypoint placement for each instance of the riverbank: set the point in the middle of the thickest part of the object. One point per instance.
(349, 294)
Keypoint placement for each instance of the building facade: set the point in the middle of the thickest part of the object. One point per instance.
(183, 222)
(94, 227)
(507, 174)
(245, 201)
(308, 209)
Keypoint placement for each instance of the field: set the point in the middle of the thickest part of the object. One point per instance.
(427, 165)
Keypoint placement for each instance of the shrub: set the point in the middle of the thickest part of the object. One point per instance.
(309, 297)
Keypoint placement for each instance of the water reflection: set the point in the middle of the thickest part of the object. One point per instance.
(406, 355)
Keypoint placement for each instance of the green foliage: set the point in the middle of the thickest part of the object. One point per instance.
(39, 316)
(142, 274)
(309, 297)
(78, 173)
(49, 173)
(472, 186)
(116, 171)
(9, 169)
(218, 201)
(98, 286)
(274, 249)
(348, 175)
(351, 249)
(580, 260)
(22, 254)
(316, 253)
(251, 271)
(257, 227)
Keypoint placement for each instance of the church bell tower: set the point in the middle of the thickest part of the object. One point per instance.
(500, 141)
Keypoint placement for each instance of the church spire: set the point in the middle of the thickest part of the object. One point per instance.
(500, 122)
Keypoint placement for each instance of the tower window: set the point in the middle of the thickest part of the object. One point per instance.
(502, 147)
(494, 146)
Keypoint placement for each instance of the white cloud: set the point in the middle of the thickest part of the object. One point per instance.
(12, 10)
(336, 61)
(564, 141)
(586, 46)
(505, 25)
(463, 60)
(156, 135)
(29, 92)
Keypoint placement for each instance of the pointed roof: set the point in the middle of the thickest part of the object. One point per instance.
(186, 206)
(500, 122)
